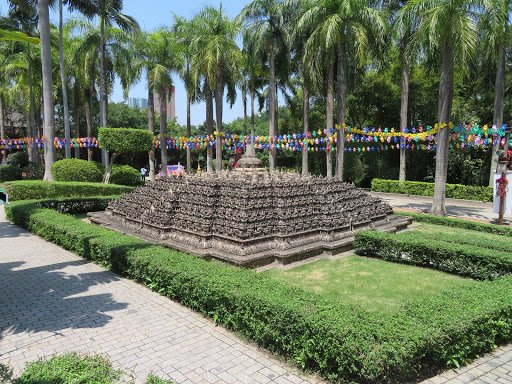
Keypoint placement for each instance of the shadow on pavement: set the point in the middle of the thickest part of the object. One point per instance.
(44, 298)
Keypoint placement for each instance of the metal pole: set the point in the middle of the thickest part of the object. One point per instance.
(504, 174)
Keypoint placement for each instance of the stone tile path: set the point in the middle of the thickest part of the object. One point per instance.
(52, 301)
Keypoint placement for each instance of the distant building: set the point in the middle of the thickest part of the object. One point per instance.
(138, 102)
(171, 104)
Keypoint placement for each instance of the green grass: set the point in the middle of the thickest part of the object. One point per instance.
(375, 285)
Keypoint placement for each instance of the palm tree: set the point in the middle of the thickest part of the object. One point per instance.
(267, 29)
(448, 28)
(217, 56)
(495, 23)
(342, 24)
(109, 13)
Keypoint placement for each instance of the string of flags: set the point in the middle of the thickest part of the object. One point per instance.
(356, 139)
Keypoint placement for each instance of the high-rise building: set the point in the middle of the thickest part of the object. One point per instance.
(138, 102)
(171, 103)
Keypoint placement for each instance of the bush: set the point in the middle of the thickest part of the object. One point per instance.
(39, 189)
(458, 223)
(34, 171)
(9, 173)
(455, 191)
(464, 260)
(341, 342)
(18, 159)
(125, 140)
(77, 170)
(125, 175)
(70, 368)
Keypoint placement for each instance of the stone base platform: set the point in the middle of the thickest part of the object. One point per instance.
(269, 249)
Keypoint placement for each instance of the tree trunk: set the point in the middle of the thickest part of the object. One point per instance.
(271, 109)
(2, 125)
(499, 95)
(404, 101)
(88, 121)
(305, 170)
(151, 128)
(330, 115)
(219, 90)
(67, 128)
(46, 61)
(76, 117)
(163, 130)
(342, 102)
(189, 133)
(244, 102)
(103, 87)
(252, 115)
(30, 149)
(444, 113)
(108, 172)
(32, 107)
(209, 128)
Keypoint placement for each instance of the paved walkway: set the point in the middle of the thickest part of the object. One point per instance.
(52, 301)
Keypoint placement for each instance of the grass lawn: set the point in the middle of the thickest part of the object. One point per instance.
(445, 231)
(375, 285)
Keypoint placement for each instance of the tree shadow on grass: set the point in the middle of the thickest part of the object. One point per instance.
(45, 298)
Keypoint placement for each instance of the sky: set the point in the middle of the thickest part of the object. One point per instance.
(151, 15)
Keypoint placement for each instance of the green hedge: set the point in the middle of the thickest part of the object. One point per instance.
(125, 175)
(38, 189)
(77, 170)
(454, 191)
(9, 173)
(463, 260)
(458, 223)
(341, 342)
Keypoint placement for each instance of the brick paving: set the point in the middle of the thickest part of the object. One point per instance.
(52, 301)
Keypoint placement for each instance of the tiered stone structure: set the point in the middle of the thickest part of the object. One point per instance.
(249, 217)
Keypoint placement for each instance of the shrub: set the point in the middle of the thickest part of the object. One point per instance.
(9, 173)
(18, 159)
(125, 140)
(455, 191)
(341, 342)
(125, 175)
(76, 170)
(464, 260)
(70, 368)
(39, 189)
(34, 171)
(458, 223)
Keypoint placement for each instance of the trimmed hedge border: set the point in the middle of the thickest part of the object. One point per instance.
(454, 191)
(458, 223)
(39, 189)
(463, 260)
(341, 342)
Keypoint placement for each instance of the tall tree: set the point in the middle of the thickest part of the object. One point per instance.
(218, 57)
(267, 20)
(448, 28)
(345, 24)
(109, 13)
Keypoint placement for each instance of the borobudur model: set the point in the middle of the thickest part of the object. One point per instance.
(249, 217)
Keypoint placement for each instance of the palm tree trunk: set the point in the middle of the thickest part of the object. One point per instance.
(103, 87)
(444, 113)
(151, 128)
(67, 129)
(330, 115)
(46, 61)
(219, 90)
(403, 113)
(244, 102)
(342, 102)
(271, 108)
(189, 133)
(76, 117)
(252, 115)
(209, 127)
(305, 170)
(499, 95)
(30, 149)
(163, 130)
(32, 107)
(2, 125)
(88, 121)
